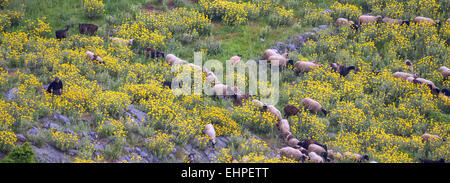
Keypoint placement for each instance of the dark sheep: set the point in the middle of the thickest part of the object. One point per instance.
(446, 92)
(434, 90)
(87, 29)
(405, 22)
(152, 53)
(290, 110)
(169, 84)
(343, 71)
(306, 142)
(62, 33)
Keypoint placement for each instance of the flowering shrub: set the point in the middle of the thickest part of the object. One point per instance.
(281, 16)
(112, 128)
(37, 27)
(348, 11)
(160, 144)
(230, 12)
(64, 141)
(7, 140)
(93, 8)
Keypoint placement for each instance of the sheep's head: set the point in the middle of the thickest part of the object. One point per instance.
(408, 62)
(264, 108)
(290, 62)
(324, 111)
(239, 55)
(378, 17)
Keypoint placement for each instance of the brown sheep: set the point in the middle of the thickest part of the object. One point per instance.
(341, 69)
(391, 21)
(268, 53)
(426, 137)
(364, 19)
(315, 157)
(404, 75)
(284, 127)
(303, 66)
(444, 71)
(87, 29)
(313, 106)
(290, 110)
(292, 153)
(342, 21)
(272, 109)
(421, 19)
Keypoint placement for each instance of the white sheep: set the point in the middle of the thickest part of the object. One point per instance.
(292, 141)
(272, 109)
(315, 157)
(342, 21)
(421, 19)
(334, 155)
(222, 91)
(317, 149)
(282, 61)
(173, 60)
(313, 106)
(292, 153)
(303, 66)
(426, 137)
(364, 19)
(235, 59)
(425, 82)
(209, 130)
(122, 41)
(211, 78)
(257, 103)
(359, 158)
(92, 56)
(284, 127)
(404, 75)
(268, 53)
(391, 21)
(444, 71)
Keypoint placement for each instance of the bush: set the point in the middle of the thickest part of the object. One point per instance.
(93, 8)
(230, 12)
(64, 141)
(20, 154)
(281, 17)
(160, 144)
(7, 140)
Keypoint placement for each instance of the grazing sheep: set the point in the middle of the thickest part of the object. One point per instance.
(235, 59)
(291, 141)
(62, 33)
(342, 21)
(444, 71)
(364, 19)
(268, 53)
(319, 150)
(303, 66)
(409, 64)
(404, 75)
(334, 155)
(93, 57)
(421, 19)
(284, 127)
(222, 91)
(169, 84)
(239, 99)
(306, 142)
(315, 157)
(209, 130)
(292, 153)
(87, 28)
(359, 158)
(426, 137)
(434, 91)
(121, 41)
(257, 103)
(341, 69)
(282, 61)
(425, 82)
(290, 110)
(173, 60)
(272, 109)
(194, 67)
(431, 161)
(391, 21)
(313, 106)
(211, 78)
(410, 79)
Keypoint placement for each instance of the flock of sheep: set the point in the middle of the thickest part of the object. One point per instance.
(295, 149)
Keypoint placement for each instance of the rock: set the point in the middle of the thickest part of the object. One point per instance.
(322, 27)
(143, 154)
(51, 125)
(93, 134)
(45, 120)
(141, 116)
(72, 152)
(11, 95)
(33, 131)
(99, 147)
(62, 119)
(67, 130)
(49, 154)
(21, 137)
(136, 149)
(316, 29)
(127, 149)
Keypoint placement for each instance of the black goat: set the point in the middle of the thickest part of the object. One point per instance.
(87, 28)
(62, 33)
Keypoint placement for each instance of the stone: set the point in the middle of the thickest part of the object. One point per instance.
(12, 94)
(33, 131)
(62, 119)
(49, 154)
(141, 116)
(322, 27)
(72, 152)
(51, 125)
(21, 137)
(316, 29)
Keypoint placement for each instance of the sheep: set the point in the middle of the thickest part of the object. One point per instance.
(87, 28)
(421, 19)
(257, 103)
(235, 59)
(359, 158)
(426, 137)
(434, 90)
(93, 57)
(445, 92)
(268, 53)
(391, 21)
(292, 153)
(313, 106)
(290, 110)
(212, 78)
(404, 75)
(209, 130)
(291, 141)
(409, 64)
(318, 149)
(282, 61)
(334, 155)
(303, 66)
(238, 99)
(173, 60)
(121, 41)
(343, 71)
(306, 142)
(284, 127)
(425, 82)
(62, 33)
(444, 71)
(169, 84)
(275, 112)
(431, 161)
(364, 19)
(194, 67)
(315, 158)
(342, 21)
(222, 91)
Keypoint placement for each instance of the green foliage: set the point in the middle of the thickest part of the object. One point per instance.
(20, 154)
